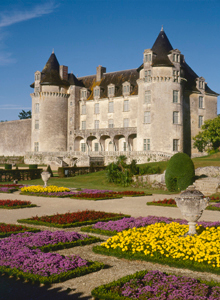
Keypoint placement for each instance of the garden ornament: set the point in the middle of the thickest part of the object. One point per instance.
(192, 202)
(45, 177)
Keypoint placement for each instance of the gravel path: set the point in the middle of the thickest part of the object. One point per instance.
(80, 288)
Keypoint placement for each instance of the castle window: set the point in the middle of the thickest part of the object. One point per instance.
(96, 124)
(97, 92)
(147, 97)
(111, 123)
(175, 145)
(200, 121)
(83, 147)
(200, 84)
(36, 125)
(126, 105)
(111, 107)
(175, 117)
(146, 144)
(36, 146)
(124, 146)
(70, 148)
(126, 88)
(201, 102)
(96, 147)
(71, 103)
(175, 96)
(71, 119)
(147, 76)
(147, 57)
(36, 108)
(83, 109)
(83, 125)
(147, 117)
(126, 122)
(37, 76)
(111, 91)
(83, 94)
(175, 75)
(96, 108)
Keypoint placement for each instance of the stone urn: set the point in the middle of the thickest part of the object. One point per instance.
(45, 177)
(191, 202)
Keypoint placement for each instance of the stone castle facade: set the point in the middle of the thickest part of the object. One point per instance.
(147, 114)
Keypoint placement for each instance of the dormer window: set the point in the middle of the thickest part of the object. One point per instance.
(176, 57)
(126, 88)
(84, 94)
(37, 76)
(111, 90)
(97, 92)
(200, 83)
(147, 57)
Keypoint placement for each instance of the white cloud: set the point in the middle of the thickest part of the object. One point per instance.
(16, 16)
(5, 58)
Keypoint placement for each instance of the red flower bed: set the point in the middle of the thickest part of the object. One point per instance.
(81, 216)
(10, 228)
(214, 198)
(131, 193)
(166, 201)
(13, 203)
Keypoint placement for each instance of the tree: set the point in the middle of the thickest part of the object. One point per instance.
(209, 138)
(25, 114)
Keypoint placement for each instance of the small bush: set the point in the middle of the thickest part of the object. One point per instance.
(180, 172)
(8, 166)
(32, 166)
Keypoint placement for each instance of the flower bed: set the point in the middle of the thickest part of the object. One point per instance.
(165, 243)
(20, 256)
(12, 185)
(214, 207)
(74, 219)
(165, 202)
(8, 189)
(8, 229)
(113, 227)
(157, 285)
(12, 204)
(86, 194)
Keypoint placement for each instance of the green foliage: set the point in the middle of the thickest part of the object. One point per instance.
(150, 170)
(180, 172)
(209, 138)
(8, 166)
(120, 172)
(49, 170)
(24, 114)
(32, 166)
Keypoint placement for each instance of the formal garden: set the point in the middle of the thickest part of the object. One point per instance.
(31, 251)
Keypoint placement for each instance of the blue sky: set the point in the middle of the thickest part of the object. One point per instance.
(111, 33)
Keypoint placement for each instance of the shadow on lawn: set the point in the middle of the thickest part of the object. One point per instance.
(12, 289)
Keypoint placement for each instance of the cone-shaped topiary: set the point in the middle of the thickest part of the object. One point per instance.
(180, 172)
(49, 170)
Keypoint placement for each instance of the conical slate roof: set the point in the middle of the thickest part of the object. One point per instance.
(50, 73)
(161, 48)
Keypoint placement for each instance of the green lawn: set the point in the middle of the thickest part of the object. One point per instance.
(98, 180)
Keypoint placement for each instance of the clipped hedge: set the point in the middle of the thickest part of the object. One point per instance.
(8, 166)
(180, 172)
(32, 166)
(21, 174)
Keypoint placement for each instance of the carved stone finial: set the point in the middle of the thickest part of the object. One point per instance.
(161, 28)
(53, 51)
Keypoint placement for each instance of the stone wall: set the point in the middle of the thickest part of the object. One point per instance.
(15, 137)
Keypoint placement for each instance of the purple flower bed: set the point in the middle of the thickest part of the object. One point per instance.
(7, 189)
(15, 252)
(217, 204)
(128, 223)
(157, 285)
(42, 238)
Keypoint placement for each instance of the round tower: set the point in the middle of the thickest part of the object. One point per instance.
(50, 108)
(160, 126)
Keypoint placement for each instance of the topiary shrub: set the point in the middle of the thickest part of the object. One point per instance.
(49, 170)
(180, 172)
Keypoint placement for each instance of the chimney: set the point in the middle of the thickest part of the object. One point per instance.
(99, 72)
(64, 72)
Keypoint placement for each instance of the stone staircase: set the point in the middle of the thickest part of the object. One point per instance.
(208, 185)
